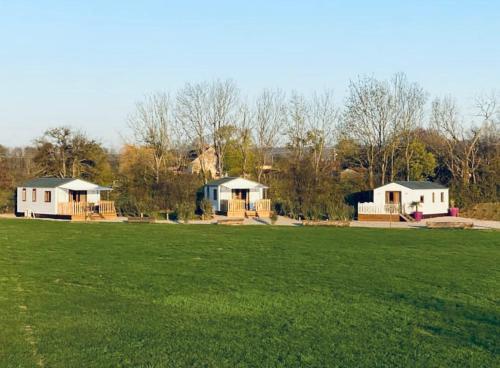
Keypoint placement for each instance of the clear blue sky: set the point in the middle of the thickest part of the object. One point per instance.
(85, 63)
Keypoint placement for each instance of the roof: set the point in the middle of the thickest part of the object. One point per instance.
(227, 179)
(220, 181)
(65, 183)
(47, 182)
(420, 185)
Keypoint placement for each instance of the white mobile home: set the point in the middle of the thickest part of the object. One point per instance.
(399, 198)
(233, 196)
(62, 198)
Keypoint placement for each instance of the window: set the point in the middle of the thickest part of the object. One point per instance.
(47, 196)
(33, 195)
(442, 196)
(24, 195)
(433, 197)
(421, 199)
(214, 194)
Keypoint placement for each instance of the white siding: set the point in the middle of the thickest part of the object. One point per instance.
(58, 195)
(39, 206)
(255, 195)
(224, 191)
(93, 196)
(413, 195)
(209, 193)
(240, 183)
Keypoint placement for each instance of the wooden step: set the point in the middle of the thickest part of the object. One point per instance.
(231, 221)
(406, 218)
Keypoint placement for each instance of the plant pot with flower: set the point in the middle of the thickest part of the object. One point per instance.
(417, 215)
(453, 209)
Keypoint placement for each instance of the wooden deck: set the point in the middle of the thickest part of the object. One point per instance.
(83, 211)
(239, 208)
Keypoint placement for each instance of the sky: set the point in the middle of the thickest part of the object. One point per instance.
(86, 63)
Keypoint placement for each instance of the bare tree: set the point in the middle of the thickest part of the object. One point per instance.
(409, 102)
(323, 122)
(223, 100)
(269, 121)
(488, 111)
(151, 126)
(369, 119)
(298, 127)
(193, 118)
(244, 141)
(462, 142)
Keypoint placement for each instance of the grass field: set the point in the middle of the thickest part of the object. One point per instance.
(113, 295)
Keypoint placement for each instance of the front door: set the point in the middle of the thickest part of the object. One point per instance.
(392, 197)
(241, 194)
(78, 196)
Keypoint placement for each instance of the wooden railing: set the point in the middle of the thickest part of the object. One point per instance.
(263, 205)
(236, 205)
(72, 208)
(371, 208)
(84, 208)
(106, 207)
(233, 207)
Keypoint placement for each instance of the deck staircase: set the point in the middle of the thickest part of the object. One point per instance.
(406, 218)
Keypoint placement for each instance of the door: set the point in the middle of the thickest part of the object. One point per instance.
(241, 194)
(393, 197)
(78, 196)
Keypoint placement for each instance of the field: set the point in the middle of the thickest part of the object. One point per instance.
(118, 295)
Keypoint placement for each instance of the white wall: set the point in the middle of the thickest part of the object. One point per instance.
(240, 183)
(226, 194)
(62, 195)
(93, 196)
(411, 195)
(255, 196)
(209, 194)
(39, 206)
(58, 195)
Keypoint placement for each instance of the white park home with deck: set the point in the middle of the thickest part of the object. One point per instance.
(68, 198)
(395, 201)
(237, 197)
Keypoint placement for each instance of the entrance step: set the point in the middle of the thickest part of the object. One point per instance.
(406, 218)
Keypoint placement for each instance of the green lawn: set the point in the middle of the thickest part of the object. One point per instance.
(118, 295)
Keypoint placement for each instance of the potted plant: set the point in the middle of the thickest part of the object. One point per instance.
(417, 215)
(453, 209)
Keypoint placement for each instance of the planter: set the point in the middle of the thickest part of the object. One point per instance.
(454, 211)
(418, 216)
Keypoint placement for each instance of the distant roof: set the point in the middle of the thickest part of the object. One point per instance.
(221, 180)
(420, 184)
(227, 179)
(47, 182)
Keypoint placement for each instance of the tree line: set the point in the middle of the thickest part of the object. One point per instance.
(314, 154)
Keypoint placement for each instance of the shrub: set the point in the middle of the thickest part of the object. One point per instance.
(206, 209)
(273, 218)
(313, 212)
(185, 211)
(336, 211)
